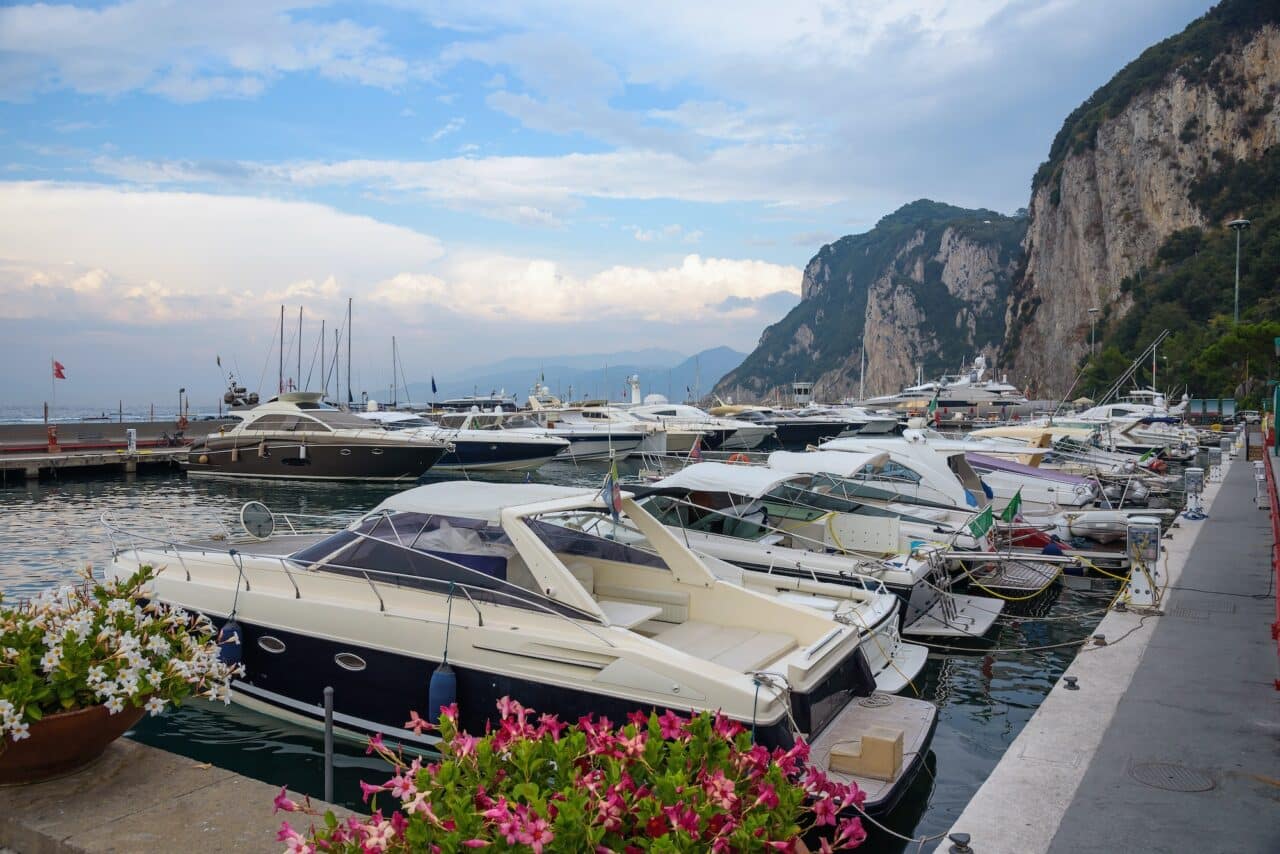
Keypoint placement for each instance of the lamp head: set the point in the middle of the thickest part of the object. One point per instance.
(1239, 224)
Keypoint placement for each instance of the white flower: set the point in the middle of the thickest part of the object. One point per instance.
(51, 659)
(20, 730)
(159, 645)
(114, 705)
(155, 706)
(155, 677)
(96, 674)
(119, 606)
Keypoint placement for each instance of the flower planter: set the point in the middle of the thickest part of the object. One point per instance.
(63, 742)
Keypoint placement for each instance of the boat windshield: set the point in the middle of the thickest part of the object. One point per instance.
(433, 552)
(595, 535)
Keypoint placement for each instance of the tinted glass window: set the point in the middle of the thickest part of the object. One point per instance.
(566, 541)
(267, 422)
(343, 420)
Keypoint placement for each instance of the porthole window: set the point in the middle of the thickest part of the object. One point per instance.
(349, 661)
(346, 452)
(271, 644)
(377, 452)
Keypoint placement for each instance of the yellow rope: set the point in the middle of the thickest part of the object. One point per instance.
(1100, 570)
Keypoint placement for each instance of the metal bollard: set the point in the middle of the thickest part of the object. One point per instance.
(328, 745)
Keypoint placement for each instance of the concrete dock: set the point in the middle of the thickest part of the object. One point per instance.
(140, 799)
(1171, 741)
(36, 465)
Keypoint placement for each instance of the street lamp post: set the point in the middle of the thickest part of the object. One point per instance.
(1093, 327)
(1238, 225)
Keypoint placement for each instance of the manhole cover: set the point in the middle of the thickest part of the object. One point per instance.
(1170, 777)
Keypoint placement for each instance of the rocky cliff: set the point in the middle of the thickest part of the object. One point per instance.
(1121, 178)
(929, 286)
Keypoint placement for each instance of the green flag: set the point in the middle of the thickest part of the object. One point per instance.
(1010, 512)
(933, 402)
(982, 523)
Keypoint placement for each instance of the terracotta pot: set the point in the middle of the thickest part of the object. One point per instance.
(63, 742)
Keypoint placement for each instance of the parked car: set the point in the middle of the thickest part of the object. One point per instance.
(1248, 416)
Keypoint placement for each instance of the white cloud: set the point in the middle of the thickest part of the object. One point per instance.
(452, 126)
(142, 257)
(185, 51)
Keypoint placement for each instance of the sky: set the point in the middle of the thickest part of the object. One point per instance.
(491, 179)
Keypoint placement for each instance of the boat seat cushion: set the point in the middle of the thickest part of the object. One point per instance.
(673, 604)
(737, 648)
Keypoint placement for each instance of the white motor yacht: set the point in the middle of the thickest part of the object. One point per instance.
(741, 514)
(481, 441)
(495, 581)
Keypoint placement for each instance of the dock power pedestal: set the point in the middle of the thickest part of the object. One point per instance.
(1146, 577)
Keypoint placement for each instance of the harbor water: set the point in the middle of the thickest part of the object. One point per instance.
(49, 530)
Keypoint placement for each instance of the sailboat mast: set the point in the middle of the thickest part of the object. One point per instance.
(297, 380)
(393, 371)
(324, 367)
(350, 399)
(280, 378)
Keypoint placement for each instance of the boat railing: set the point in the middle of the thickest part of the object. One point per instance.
(182, 550)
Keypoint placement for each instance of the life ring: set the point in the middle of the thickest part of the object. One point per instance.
(739, 458)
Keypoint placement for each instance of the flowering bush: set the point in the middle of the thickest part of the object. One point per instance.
(102, 644)
(660, 783)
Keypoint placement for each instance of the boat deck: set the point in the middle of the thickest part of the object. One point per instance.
(1014, 577)
(276, 546)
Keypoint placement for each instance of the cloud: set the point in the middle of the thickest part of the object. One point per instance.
(143, 258)
(452, 126)
(185, 51)
(780, 174)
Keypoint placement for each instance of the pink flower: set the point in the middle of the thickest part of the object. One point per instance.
(767, 797)
(450, 711)
(638, 718)
(282, 802)
(401, 787)
(417, 724)
(824, 811)
(296, 843)
(399, 823)
(633, 745)
(536, 834)
(464, 745)
(682, 818)
(508, 707)
(850, 833)
(375, 743)
(720, 790)
(726, 728)
(609, 811)
(368, 789)
(550, 724)
(671, 725)
(475, 843)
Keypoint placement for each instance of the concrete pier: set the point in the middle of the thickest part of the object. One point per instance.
(34, 466)
(140, 799)
(1172, 740)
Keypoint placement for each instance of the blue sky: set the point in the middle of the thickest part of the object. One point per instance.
(492, 179)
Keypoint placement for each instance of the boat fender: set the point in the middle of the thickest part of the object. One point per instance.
(230, 645)
(302, 452)
(441, 691)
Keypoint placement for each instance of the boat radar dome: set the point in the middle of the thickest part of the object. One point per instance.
(655, 399)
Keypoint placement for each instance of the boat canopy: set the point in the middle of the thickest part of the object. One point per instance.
(475, 500)
(749, 481)
(838, 463)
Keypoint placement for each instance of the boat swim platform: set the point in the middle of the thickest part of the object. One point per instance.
(142, 799)
(1171, 740)
(18, 467)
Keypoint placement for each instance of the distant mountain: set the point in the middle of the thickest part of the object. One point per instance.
(661, 371)
(926, 287)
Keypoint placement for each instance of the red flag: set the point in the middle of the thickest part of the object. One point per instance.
(695, 453)
(58, 370)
